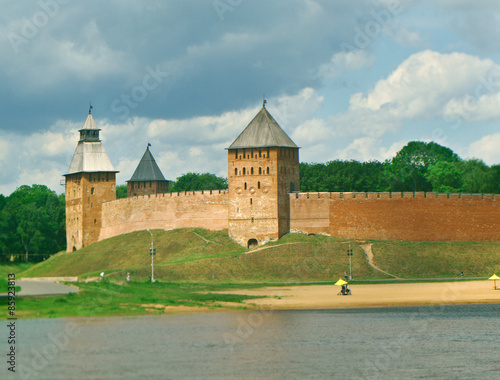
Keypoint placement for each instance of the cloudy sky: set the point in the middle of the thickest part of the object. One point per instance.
(345, 79)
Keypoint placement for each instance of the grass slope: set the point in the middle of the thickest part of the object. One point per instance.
(200, 255)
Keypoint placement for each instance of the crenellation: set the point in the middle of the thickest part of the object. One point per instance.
(263, 201)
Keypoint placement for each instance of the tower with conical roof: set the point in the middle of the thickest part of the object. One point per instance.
(263, 168)
(90, 181)
(147, 178)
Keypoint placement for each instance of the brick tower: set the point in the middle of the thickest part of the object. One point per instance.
(147, 178)
(263, 168)
(90, 181)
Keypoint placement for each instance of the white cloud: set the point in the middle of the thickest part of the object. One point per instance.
(423, 84)
(369, 148)
(346, 60)
(402, 35)
(486, 148)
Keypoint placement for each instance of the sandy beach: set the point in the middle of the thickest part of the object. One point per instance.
(398, 294)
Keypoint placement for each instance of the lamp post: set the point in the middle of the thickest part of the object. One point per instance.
(349, 254)
(152, 252)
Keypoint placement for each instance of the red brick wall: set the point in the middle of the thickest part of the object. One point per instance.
(205, 209)
(398, 216)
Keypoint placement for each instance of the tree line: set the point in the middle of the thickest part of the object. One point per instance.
(418, 166)
(33, 222)
(187, 182)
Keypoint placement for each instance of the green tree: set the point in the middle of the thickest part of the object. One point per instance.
(407, 170)
(495, 179)
(477, 177)
(444, 177)
(32, 220)
(197, 181)
(121, 191)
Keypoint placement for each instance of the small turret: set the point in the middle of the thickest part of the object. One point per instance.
(147, 178)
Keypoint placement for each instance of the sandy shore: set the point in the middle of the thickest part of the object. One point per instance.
(397, 294)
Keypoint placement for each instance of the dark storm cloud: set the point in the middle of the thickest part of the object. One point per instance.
(161, 59)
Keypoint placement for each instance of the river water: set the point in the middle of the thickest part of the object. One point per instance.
(459, 341)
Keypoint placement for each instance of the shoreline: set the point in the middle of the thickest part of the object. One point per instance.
(325, 296)
(372, 295)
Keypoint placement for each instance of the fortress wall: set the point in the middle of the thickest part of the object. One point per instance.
(398, 216)
(205, 209)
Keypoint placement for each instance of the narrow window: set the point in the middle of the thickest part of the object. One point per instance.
(244, 171)
(251, 170)
(260, 170)
(236, 171)
(268, 170)
(258, 185)
(245, 185)
(251, 201)
(252, 153)
(92, 191)
(236, 154)
(260, 153)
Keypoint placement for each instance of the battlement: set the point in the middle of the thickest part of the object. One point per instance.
(198, 193)
(205, 209)
(394, 195)
(419, 216)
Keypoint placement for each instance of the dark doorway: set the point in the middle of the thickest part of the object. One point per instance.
(253, 243)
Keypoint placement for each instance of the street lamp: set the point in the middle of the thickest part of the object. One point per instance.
(152, 252)
(349, 254)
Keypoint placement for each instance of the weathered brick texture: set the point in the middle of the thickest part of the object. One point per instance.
(205, 209)
(85, 194)
(398, 216)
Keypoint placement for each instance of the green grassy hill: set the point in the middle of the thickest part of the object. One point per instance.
(200, 255)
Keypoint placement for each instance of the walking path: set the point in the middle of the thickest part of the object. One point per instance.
(42, 288)
(369, 254)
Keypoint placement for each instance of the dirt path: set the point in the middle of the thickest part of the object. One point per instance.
(369, 254)
(268, 247)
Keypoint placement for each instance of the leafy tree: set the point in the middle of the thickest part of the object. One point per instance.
(121, 191)
(477, 176)
(444, 177)
(495, 179)
(32, 220)
(197, 181)
(407, 170)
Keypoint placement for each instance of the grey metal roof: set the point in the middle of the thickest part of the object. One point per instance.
(90, 157)
(90, 123)
(147, 170)
(263, 131)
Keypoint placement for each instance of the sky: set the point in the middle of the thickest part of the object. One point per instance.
(345, 80)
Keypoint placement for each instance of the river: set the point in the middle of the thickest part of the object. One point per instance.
(459, 341)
